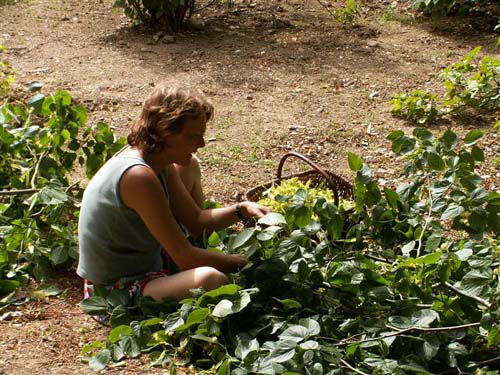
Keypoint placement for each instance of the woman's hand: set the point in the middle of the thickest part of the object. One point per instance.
(238, 261)
(252, 209)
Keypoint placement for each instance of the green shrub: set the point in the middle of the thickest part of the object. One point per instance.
(348, 13)
(419, 106)
(471, 84)
(168, 14)
(444, 7)
(393, 294)
(41, 141)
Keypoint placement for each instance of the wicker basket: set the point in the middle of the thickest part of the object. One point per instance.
(317, 175)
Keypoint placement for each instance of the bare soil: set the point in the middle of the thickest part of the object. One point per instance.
(283, 75)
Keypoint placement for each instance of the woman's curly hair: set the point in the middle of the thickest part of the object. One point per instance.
(164, 113)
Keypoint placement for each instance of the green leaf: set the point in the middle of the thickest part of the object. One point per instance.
(225, 368)
(36, 102)
(296, 333)
(225, 290)
(423, 134)
(452, 211)
(494, 336)
(94, 305)
(423, 318)
(211, 339)
(406, 249)
(59, 255)
(435, 162)
(355, 162)
(223, 308)
(245, 345)
(35, 86)
(364, 175)
(403, 145)
(47, 290)
(116, 333)
(449, 139)
(313, 327)
(432, 242)
(472, 137)
(151, 322)
(477, 153)
(130, 346)
(243, 237)
(395, 135)
(214, 240)
(289, 304)
(478, 219)
(197, 316)
(268, 233)
(309, 345)
(100, 360)
(283, 351)
(119, 316)
(117, 297)
(474, 283)
(430, 348)
(392, 197)
(493, 202)
(272, 219)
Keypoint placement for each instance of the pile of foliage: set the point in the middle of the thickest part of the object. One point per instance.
(471, 85)
(410, 288)
(278, 197)
(41, 140)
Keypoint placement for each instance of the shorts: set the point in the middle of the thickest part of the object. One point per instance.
(134, 285)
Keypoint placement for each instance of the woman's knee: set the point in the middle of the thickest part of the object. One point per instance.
(210, 278)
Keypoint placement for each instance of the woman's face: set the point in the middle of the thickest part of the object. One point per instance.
(181, 146)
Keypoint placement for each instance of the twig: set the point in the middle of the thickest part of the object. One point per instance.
(475, 298)
(204, 6)
(400, 332)
(434, 329)
(33, 179)
(346, 364)
(427, 220)
(377, 259)
(18, 192)
(486, 362)
(72, 186)
(326, 7)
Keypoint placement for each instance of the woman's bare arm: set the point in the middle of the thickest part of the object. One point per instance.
(195, 219)
(141, 190)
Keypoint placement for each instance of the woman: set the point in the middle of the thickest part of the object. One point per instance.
(132, 207)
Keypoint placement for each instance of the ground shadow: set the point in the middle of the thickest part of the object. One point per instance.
(469, 30)
(253, 40)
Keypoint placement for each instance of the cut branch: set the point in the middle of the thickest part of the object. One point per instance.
(18, 192)
(35, 173)
(346, 364)
(475, 298)
(400, 332)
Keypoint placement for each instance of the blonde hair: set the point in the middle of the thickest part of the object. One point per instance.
(164, 113)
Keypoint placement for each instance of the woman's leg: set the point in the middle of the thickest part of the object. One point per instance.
(191, 177)
(178, 286)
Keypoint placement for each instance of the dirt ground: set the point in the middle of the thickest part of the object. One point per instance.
(283, 75)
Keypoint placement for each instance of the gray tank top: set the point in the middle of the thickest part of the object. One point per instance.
(114, 241)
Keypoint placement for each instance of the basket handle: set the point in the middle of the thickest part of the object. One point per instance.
(332, 185)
